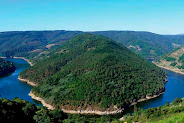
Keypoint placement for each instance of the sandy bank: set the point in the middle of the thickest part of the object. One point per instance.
(24, 59)
(41, 100)
(147, 98)
(28, 82)
(74, 111)
(90, 111)
(174, 70)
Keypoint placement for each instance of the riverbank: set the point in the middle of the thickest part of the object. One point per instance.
(28, 82)
(31, 64)
(174, 70)
(91, 111)
(48, 106)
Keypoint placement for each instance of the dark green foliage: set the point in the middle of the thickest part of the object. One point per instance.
(173, 64)
(181, 59)
(143, 115)
(152, 45)
(21, 43)
(19, 111)
(6, 67)
(181, 67)
(169, 58)
(94, 71)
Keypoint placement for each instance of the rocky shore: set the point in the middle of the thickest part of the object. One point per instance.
(28, 82)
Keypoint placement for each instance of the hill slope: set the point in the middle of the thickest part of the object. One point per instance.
(148, 45)
(32, 43)
(94, 73)
(6, 67)
(173, 61)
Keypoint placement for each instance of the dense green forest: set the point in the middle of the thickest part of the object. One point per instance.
(96, 72)
(21, 111)
(169, 113)
(6, 67)
(146, 44)
(32, 43)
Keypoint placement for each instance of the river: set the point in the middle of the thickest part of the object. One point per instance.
(11, 87)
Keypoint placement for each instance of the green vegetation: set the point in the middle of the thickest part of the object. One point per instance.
(151, 45)
(173, 60)
(181, 59)
(180, 67)
(169, 113)
(19, 111)
(6, 67)
(169, 58)
(32, 43)
(96, 72)
(173, 64)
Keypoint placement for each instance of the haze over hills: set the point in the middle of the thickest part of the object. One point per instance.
(32, 43)
(94, 73)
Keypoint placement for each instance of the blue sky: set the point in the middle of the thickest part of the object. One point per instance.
(158, 16)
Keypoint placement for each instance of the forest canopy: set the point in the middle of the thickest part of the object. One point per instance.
(94, 72)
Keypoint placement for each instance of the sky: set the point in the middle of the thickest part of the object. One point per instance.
(157, 16)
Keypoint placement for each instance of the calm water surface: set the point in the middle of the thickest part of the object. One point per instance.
(11, 87)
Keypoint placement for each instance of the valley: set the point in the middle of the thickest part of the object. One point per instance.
(56, 73)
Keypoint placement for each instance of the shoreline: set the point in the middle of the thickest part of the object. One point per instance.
(28, 82)
(31, 64)
(147, 98)
(49, 106)
(176, 71)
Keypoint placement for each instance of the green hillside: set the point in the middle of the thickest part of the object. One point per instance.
(94, 72)
(6, 67)
(146, 44)
(32, 43)
(173, 61)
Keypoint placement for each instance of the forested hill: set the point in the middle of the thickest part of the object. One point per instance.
(147, 44)
(6, 67)
(94, 72)
(32, 43)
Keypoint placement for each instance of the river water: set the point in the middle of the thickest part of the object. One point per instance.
(11, 87)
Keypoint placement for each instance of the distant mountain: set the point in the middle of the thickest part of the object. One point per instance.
(93, 72)
(148, 45)
(32, 43)
(6, 67)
